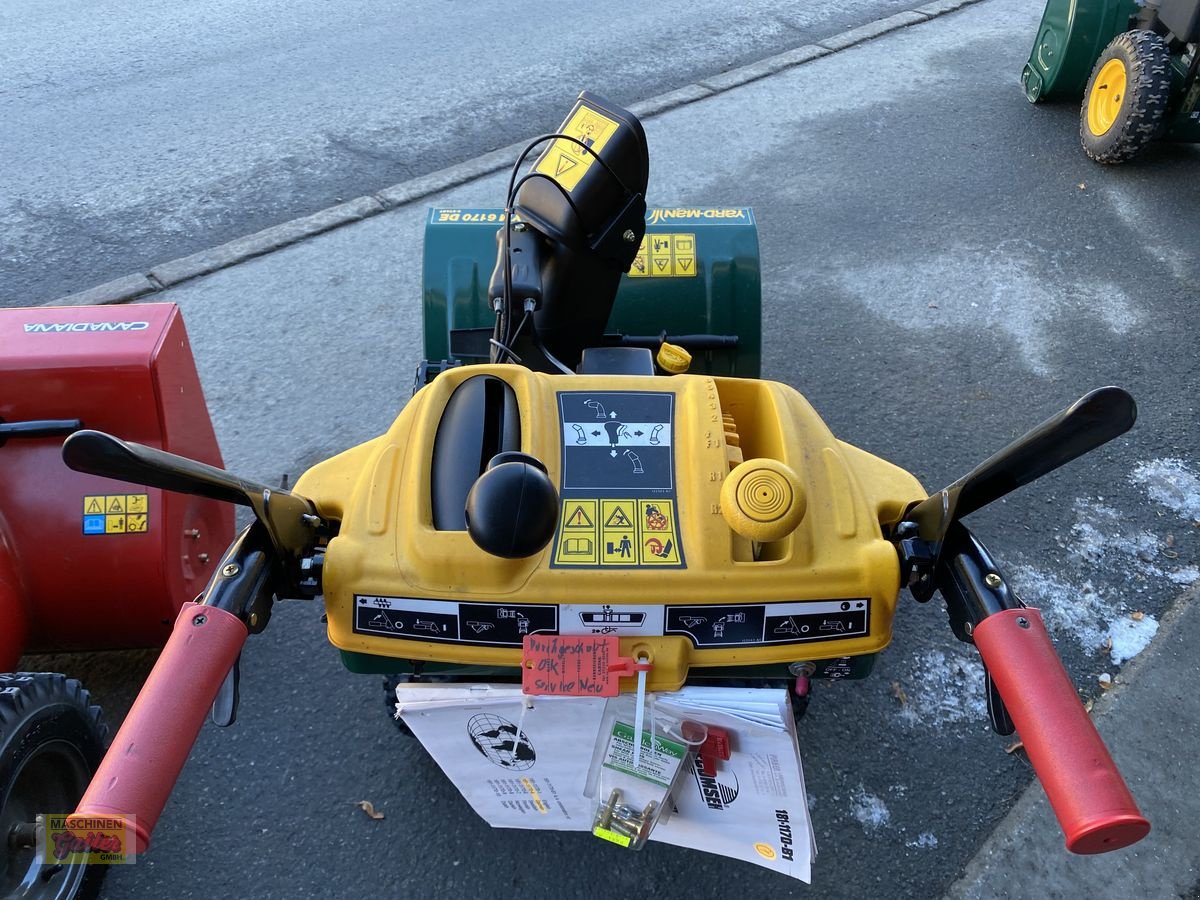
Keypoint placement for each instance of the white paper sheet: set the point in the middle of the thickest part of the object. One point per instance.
(753, 809)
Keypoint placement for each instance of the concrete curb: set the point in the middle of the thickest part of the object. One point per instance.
(176, 271)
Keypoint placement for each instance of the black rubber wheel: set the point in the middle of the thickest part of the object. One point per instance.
(51, 741)
(1126, 97)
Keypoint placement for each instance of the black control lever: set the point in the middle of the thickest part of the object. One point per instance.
(290, 520)
(971, 583)
(1089, 422)
(36, 428)
(243, 584)
(225, 704)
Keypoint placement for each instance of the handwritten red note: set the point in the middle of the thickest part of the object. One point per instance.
(574, 665)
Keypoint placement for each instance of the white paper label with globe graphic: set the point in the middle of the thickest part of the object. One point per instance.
(498, 740)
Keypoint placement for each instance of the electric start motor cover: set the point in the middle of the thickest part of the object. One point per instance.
(641, 548)
(88, 562)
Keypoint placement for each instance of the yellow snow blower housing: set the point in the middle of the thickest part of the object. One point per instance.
(705, 521)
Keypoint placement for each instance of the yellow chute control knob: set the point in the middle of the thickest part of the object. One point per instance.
(673, 358)
(763, 500)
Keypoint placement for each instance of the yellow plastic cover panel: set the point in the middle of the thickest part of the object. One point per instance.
(641, 548)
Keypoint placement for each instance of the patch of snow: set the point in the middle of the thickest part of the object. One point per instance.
(1068, 609)
(1081, 613)
(870, 810)
(1185, 576)
(946, 686)
(1097, 534)
(1130, 637)
(1171, 483)
(998, 288)
(926, 840)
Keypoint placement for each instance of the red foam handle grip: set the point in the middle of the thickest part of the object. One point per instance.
(1094, 807)
(145, 759)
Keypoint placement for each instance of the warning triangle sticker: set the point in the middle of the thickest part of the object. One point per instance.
(684, 264)
(618, 519)
(565, 164)
(117, 505)
(94, 507)
(579, 518)
(661, 263)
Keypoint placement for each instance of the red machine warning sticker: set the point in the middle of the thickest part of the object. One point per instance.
(116, 513)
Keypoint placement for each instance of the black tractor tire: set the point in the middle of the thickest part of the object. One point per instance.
(1126, 97)
(51, 741)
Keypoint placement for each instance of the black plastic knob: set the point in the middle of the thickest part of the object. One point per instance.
(512, 507)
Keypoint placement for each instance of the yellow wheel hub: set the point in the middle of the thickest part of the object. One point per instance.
(1108, 93)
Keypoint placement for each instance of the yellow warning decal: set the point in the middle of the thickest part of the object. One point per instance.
(628, 533)
(578, 535)
(618, 536)
(582, 515)
(659, 543)
(565, 161)
(116, 513)
(665, 256)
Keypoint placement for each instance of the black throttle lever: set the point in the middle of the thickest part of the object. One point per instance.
(970, 581)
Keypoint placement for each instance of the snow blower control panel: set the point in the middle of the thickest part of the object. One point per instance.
(704, 521)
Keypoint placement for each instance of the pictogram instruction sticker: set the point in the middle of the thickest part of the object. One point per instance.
(567, 162)
(116, 513)
(579, 537)
(665, 256)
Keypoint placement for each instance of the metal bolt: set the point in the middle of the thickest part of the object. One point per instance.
(626, 821)
(629, 236)
(203, 557)
(606, 814)
(230, 570)
(519, 227)
(1022, 621)
(992, 580)
(801, 669)
(194, 534)
(199, 620)
(647, 821)
(310, 520)
(253, 620)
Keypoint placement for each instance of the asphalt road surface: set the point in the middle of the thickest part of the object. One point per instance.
(135, 133)
(943, 268)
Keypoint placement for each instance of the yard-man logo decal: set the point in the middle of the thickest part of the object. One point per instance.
(716, 795)
(60, 327)
(655, 216)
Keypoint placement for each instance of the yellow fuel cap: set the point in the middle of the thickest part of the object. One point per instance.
(763, 500)
(673, 358)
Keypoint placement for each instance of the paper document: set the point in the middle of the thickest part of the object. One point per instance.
(522, 762)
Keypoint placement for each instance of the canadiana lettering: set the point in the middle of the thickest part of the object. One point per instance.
(60, 327)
